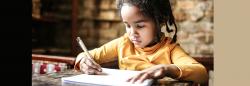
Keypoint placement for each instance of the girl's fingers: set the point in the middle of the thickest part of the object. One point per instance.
(135, 78)
(83, 68)
(129, 79)
(93, 65)
(87, 67)
(89, 70)
(144, 77)
(96, 65)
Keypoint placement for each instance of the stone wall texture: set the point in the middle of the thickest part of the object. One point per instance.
(100, 23)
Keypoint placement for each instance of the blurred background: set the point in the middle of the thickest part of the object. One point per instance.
(56, 24)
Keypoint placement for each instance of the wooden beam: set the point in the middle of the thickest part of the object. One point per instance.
(74, 26)
(206, 61)
(63, 59)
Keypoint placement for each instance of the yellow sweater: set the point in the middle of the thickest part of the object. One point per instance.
(131, 58)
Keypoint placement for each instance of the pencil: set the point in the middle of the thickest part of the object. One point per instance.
(83, 46)
(88, 54)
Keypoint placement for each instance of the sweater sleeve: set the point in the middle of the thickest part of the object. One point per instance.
(190, 69)
(106, 53)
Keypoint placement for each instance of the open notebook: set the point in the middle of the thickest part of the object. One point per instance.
(112, 77)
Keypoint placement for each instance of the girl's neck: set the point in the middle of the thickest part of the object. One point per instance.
(155, 41)
(152, 43)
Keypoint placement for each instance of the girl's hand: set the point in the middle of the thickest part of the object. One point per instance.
(155, 72)
(89, 66)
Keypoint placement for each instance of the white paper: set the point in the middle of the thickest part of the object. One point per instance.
(113, 77)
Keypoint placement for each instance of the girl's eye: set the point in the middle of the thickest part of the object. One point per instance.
(139, 26)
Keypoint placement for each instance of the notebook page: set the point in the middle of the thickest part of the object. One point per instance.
(112, 77)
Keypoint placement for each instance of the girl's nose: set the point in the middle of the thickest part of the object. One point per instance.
(133, 31)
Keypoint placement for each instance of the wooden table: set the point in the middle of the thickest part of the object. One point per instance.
(51, 79)
(55, 79)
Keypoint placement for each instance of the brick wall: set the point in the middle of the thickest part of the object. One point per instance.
(100, 23)
(195, 19)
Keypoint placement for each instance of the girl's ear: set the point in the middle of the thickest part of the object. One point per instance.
(167, 30)
(169, 27)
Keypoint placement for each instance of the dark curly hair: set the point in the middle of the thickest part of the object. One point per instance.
(158, 10)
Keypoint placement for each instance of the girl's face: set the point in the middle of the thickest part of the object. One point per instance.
(141, 29)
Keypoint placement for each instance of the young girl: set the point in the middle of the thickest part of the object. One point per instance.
(144, 47)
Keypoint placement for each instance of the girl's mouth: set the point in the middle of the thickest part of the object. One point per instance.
(136, 41)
